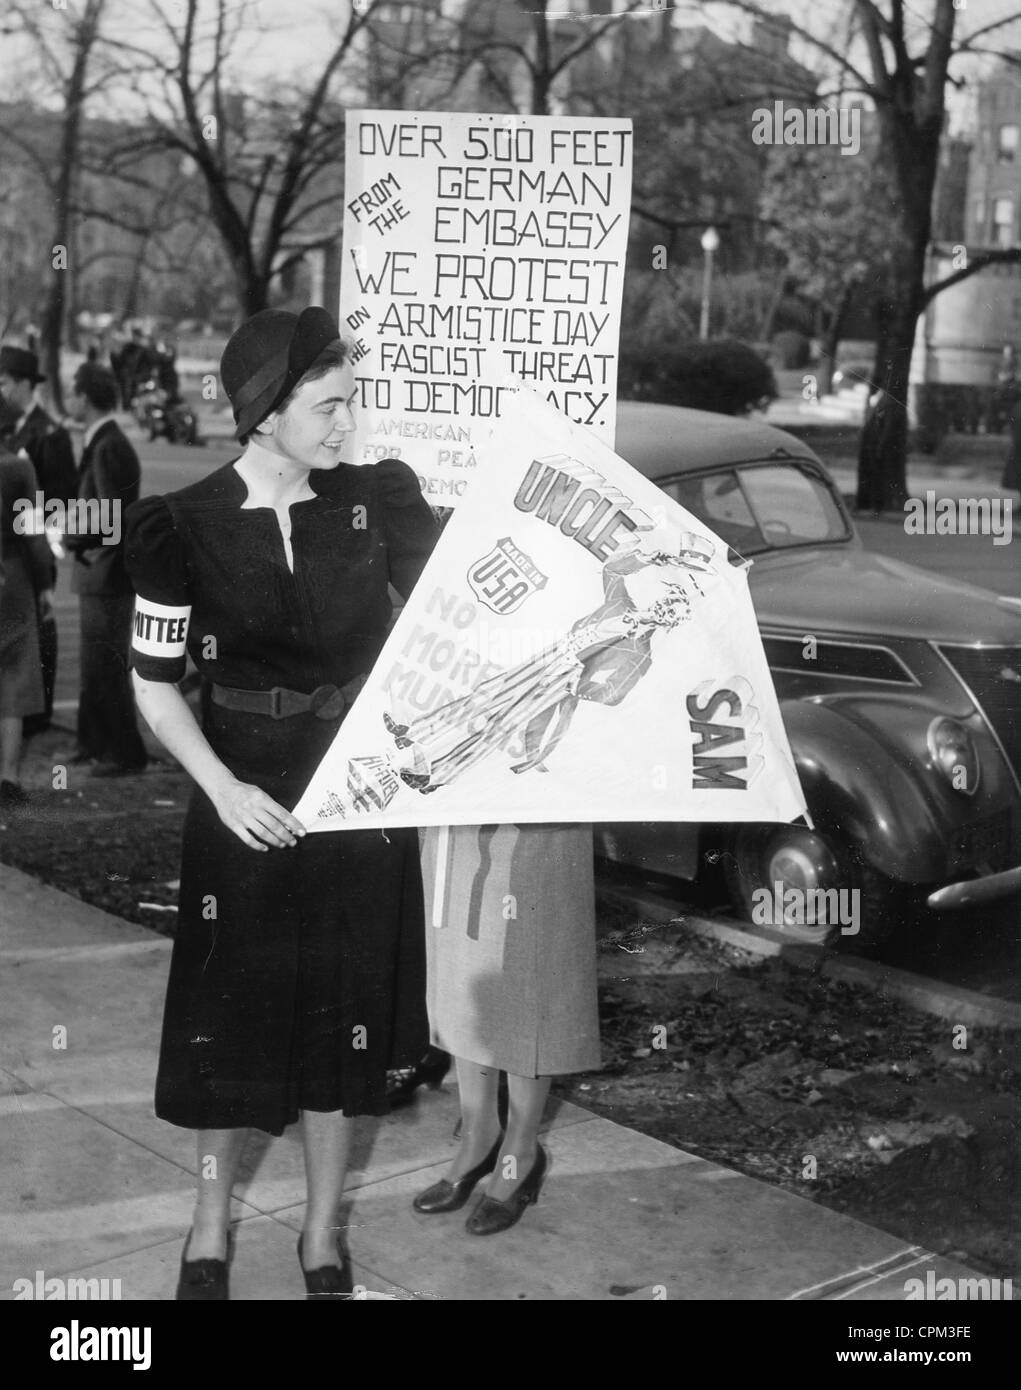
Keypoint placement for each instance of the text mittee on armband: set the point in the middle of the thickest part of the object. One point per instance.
(158, 629)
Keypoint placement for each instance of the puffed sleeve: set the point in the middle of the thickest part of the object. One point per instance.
(157, 564)
(411, 528)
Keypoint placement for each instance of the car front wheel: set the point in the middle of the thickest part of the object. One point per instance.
(809, 885)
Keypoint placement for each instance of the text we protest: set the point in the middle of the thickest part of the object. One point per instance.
(475, 246)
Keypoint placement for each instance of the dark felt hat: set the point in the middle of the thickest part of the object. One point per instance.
(267, 357)
(21, 363)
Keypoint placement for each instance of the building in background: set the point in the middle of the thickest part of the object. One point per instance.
(993, 200)
(967, 330)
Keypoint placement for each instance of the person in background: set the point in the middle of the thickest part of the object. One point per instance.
(25, 593)
(8, 417)
(118, 366)
(165, 372)
(1008, 393)
(109, 475)
(47, 445)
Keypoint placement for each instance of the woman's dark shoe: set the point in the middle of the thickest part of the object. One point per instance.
(204, 1281)
(12, 794)
(450, 1196)
(491, 1216)
(328, 1281)
(429, 1070)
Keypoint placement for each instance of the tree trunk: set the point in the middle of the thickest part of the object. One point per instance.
(882, 458)
(831, 338)
(72, 291)
(541, 78)
(253, 295)
(782, 281)
(52, 325)
(129, 308)
(827, 361)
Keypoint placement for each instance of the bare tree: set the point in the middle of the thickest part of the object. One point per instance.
(270, 159)
(153, 227)
(524, 52)
(65, 42)
(830, 221)
(908, 50)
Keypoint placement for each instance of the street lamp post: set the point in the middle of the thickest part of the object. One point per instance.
(710, 241)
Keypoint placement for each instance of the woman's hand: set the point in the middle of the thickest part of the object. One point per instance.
(245, 810)
(255, 817)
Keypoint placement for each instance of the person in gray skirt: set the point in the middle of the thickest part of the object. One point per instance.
(511, 987)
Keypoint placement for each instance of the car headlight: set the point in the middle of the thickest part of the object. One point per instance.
(952, 749)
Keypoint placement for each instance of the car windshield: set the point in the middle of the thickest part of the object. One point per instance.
(762, 506)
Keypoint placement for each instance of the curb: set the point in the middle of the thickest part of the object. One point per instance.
(949, 1002)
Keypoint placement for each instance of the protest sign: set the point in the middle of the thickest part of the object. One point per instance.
(477, 245)
(578, 648)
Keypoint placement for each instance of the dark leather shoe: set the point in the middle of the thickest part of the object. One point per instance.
(327, 1282)
(429, 1070)
(204, 1281)
(490, 1216)
(450, 1196)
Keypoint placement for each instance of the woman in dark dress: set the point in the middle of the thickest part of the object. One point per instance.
(297, 976)
(26, 597)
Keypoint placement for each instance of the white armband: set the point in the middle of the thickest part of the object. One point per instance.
(159, 630)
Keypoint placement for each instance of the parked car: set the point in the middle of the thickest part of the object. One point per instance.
(900, 689)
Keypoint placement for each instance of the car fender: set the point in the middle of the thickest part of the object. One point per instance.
(852, 783)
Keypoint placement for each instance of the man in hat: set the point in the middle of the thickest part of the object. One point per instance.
(47, 445)
(108, 483)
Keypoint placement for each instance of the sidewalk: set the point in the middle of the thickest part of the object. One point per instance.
(95, 1187)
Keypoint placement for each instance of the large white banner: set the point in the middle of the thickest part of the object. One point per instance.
(579, 648)
(477, 245)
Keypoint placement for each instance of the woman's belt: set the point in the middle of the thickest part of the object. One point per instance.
(325, 702)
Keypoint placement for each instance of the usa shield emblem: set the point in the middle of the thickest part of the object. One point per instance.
(504, 578)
